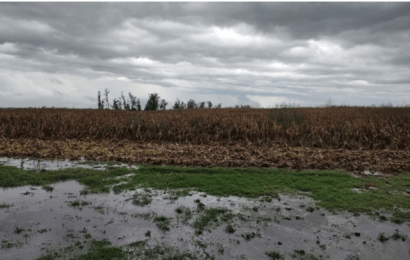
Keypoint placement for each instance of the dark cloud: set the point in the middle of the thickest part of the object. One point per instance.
(238, 52)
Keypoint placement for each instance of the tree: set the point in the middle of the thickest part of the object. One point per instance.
(192, 104)
(163, 105)
(125, 103)
(138, 105)
(153, 102)
(202, 105)
(100, 102)
(115, 104)
(209, 104)
(219, 105)
(133, 102)
(179, 105)
(106, 98)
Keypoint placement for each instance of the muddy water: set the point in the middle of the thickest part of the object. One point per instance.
(36, 164)
(34, 221)
(39, 221)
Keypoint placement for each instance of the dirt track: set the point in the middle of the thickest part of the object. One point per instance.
(355, 161)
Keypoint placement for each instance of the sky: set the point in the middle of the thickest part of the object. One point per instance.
(258, 54)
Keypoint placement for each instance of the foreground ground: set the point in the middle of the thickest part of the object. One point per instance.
(158, 212)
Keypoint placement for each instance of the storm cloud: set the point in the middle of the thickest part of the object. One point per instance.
(262, 54)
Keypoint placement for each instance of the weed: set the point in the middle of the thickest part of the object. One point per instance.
(48, 188)
(18, 230)
(146, 216)
(78, 203)
(184, 214)
(310, 209)
(275, 255)
(141, 199)
(173, 195)
(6, 244)
(211, 217)
(382, 218)
(249, 236)
(397, 236)
(148, 233)
(230, 229)
(382, 238)
(163, 223)
(221, 249)
(302, 255)
(4, 205)
(100, 209)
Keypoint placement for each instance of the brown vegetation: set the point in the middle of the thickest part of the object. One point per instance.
(330, 128)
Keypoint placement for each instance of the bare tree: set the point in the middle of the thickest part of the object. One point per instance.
(179, 105)
(202, 105)
(115, 104)
(133, 102)
(106, 98)
(209, 103)
(163, 105)
(125, 103)
(138, 105)
(100, 102)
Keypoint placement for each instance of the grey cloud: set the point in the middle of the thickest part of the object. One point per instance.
(283, 49)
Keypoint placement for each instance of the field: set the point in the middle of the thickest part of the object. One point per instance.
(350, 138)
(283, 183)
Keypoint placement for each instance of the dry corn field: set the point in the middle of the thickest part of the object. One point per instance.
(349, 138)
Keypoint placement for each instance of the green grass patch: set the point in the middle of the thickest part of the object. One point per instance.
(331, 189)
(7, 244)
(162, 223)
(5, 206)
(275, 255)
(211, 217)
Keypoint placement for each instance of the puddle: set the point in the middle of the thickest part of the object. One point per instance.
(40, 164)
(34, 221)
(368, 173)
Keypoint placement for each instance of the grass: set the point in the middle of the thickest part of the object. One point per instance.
(7, 244)
(184, 214)
(209, 217)
(162, 223)
(382, 238)
(78, 203)
(302, 255)
(275, 255)
(104, 250)
(331, 189)
(248, 236)
(5, 206)
(141, 199)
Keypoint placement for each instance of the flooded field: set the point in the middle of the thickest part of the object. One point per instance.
(47, 165)
(65, 221)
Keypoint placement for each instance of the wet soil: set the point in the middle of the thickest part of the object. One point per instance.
(385, 162)
(36, 221)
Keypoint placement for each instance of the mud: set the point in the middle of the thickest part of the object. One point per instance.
(38, 221)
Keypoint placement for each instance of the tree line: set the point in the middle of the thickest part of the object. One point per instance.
(153, 103)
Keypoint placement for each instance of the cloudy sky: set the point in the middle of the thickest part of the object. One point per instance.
(261, 54)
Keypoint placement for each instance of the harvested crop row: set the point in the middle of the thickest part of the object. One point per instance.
(332, 128)
(210, 155)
